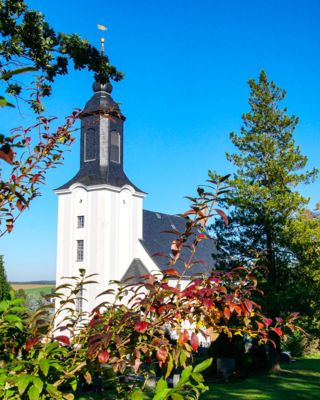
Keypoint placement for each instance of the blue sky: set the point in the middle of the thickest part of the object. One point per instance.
(186, 68)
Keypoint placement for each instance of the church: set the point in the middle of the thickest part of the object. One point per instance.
(102, 226)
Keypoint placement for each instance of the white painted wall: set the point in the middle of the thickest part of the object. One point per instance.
(111, 233)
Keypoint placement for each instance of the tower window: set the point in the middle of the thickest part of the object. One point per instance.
(80, 221)
(80, 250)
(115, 147)
(89, 145)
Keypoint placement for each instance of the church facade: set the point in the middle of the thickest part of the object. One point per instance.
(102, 226)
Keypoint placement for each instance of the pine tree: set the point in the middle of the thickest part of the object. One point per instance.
(264, 202)
(4, 285)
(269, 166)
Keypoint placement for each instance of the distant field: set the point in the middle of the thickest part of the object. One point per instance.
(33, 289)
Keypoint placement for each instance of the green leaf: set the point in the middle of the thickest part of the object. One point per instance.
(5, 103)
(33, 393)
(38, 383)
(17, 71)
(186, 373)
(169, 367)
(44, 366)
(162, 384)
(162, 395)
(177, 396)
(12, 318)
(202, 366)
(197, 377)
(136, 395)
(4, 305)
(183, 357)
(22, 383)
(53, 391)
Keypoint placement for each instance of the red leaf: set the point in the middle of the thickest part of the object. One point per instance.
(162, 355)
(194, 342)
(158, 255)
(7, 155)
(260, 325)
(279, 320)
(31, 343)
(227, 313)
(103, 356)
(248, 304)
(141, 326)
(293, 316)
(185, 336)
(222, 215)
(278, 331)
(202, 236)
(9, 227)
(267, 321)
(64, 339)
(19, 205)
(207, 303)
(171, 271)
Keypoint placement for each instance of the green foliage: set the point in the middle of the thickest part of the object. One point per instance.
(128, 331)
(302, 344)
(4, 285)
(28, 38)
(264, 203)
(29, 44)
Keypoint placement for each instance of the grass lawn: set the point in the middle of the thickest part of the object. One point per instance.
(297, 381)
(36, 292)
(33, 289)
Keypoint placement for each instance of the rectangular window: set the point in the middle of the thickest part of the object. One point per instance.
(80, 221)
(115, 147)
(80, 247)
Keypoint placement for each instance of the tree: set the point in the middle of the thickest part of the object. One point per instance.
(4, 285)
(302, 237)
(264, 200)
(128, 331)
(29, 44)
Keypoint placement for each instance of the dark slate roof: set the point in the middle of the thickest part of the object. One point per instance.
(134, 272)
(113, 176)
(101, 101)
(155, 241)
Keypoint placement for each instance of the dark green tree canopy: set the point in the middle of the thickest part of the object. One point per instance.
(28, 40)
(264, 200)
(4, 285)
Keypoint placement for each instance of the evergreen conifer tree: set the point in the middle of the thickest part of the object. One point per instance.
(4, 285)
(264, 200)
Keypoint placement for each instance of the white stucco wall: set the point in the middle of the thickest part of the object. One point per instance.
(111, 233)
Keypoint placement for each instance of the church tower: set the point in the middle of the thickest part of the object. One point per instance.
(100, 210)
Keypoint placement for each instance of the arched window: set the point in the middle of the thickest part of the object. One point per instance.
(115, 147)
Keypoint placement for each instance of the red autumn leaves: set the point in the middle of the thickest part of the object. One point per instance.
(103, 356)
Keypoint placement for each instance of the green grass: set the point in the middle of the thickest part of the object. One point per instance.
(297, 381)
(36, 292)
(300, 380)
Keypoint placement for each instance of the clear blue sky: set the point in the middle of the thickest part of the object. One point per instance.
(186, 68)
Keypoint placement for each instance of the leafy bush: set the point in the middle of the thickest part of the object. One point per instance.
(128, 331)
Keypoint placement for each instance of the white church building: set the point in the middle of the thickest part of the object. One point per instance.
(102, 226)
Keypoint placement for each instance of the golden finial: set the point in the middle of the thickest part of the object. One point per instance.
(102, 28)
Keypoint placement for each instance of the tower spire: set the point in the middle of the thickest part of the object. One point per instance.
(103, 29)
